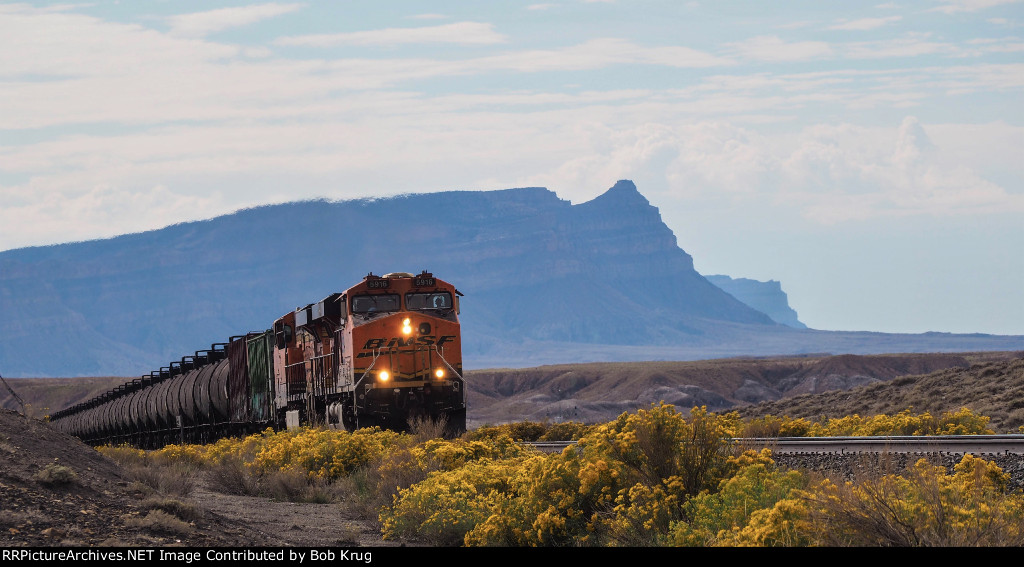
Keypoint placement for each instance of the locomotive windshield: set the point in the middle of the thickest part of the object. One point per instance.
(422, 301)
(375, 303)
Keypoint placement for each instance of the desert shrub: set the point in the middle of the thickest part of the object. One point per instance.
(231, 476)
(55, 474)
(774, 426)
(622, 484)
(962, 422)
(377, 484)
(16, 518)
(519, 431)
(160, 522)
(445, 506)
(565, 431)
(169, 478)
(180, 509)
(450, 454)
(531, 431)
(714, 518)
(926, 506)
(183, 456)
(287, 485)
(423, 428)
(124, 455)
(323, 453)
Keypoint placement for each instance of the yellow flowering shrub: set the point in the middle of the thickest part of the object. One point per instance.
(622, 484)
(787, 523)
(775, 426)
(926, 506)
(184, 454)
(565, 431)
(531, 431)
(450, 454)
(961, 422)
(445, 506)
(716, 518)
(124, 454)
(322, 453)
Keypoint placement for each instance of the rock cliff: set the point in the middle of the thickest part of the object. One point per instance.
(767, 297)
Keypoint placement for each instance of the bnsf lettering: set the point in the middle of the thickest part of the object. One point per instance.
(399, 342)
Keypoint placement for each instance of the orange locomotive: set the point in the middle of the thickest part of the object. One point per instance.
(383, 352)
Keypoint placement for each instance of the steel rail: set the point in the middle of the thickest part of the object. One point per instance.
(974, 444)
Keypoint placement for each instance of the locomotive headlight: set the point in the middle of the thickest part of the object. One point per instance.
(384, 375)
(439, 373)
(407, 326)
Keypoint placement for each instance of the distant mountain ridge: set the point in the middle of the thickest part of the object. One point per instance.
(544, 281)
(767, 297)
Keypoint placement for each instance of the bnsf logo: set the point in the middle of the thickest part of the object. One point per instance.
(411, 341)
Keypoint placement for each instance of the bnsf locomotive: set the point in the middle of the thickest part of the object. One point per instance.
(384, 352)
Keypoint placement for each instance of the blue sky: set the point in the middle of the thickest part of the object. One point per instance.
(867, 155)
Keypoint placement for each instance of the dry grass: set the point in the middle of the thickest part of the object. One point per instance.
(169, 479)
(423, 428)
(232, 476)
(186, 511)
(370, 488)
(295, 486)
(160, 522)
(13, 518)
(55, 474)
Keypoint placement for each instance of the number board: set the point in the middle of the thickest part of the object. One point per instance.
(425, 282)
(378, 284)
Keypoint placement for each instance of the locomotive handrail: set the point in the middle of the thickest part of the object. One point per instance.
(440, 354)
(376, 354)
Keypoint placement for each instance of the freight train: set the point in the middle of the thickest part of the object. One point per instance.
(384, 352)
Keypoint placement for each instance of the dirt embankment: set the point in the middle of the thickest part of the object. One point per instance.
(994, 389)
(57, 491)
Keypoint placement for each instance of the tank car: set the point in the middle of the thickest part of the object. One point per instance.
(384, 352)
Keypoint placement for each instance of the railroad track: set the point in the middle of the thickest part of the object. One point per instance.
(960, 444)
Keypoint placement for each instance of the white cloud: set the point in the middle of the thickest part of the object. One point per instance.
(911, 46)
(773, 48)
(45, 43)
(830, 173)
(957, 6)
(865, 24)
(854, 176)
(192, 115)
(597, 53)
(796, 25)
(466, 33)
(200, 24)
